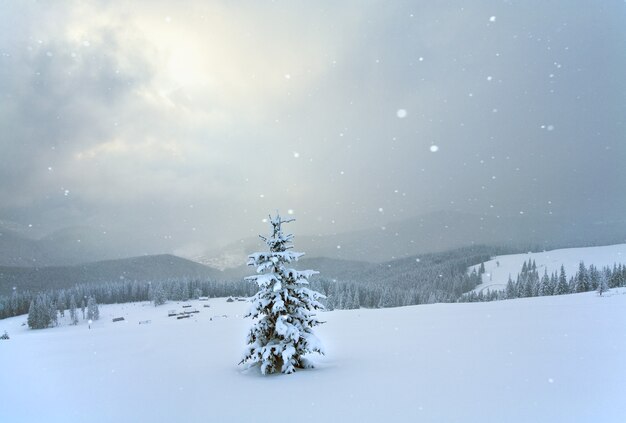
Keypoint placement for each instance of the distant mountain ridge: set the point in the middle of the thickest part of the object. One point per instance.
(436, 232)
(327, 267)
(66, 247)
(148, 268)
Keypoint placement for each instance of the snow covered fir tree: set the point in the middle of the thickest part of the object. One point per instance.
(284, 308)
(93, 312)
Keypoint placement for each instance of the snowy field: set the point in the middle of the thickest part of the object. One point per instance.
(546, 359)
(497, 270)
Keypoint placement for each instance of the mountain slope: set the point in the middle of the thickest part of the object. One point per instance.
(545, 359)
(327, 267)
(437, 232)
(147, 268)
(498, 269)
(423, 234)
(65, 247)
(17, 250)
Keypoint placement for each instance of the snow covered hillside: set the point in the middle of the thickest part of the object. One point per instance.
(547, 359)
(497, 270)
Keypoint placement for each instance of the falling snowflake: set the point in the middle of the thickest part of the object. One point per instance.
(290, 211)
(434, 148)
(401, 113)
(492, 19)
(380, 209)
(296, 154)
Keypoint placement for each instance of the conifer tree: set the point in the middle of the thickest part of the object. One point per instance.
(330, 302)
(159, 296)
(614, 278)
(529, 287)
(51, 307)
(93, 313)
(562, 287)
(511, 292)
(603, 284)
(553, 283)
(544, 285)
(197, 293)
(33, 318)
(356, 302)
(41, 312)
(73, 311)
(283, 308)
(14, 303)
(582, 279)
(593, 278)
(61, 303)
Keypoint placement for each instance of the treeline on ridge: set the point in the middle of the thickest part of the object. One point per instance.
(429, 278)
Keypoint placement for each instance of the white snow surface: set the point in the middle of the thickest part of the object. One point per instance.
(546, 359)
(496, 276)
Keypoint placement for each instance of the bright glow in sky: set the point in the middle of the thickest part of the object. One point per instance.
(186, 125)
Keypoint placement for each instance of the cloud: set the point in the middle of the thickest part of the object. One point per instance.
(182, 122)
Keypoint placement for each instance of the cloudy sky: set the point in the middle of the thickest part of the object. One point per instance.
(182, 124)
